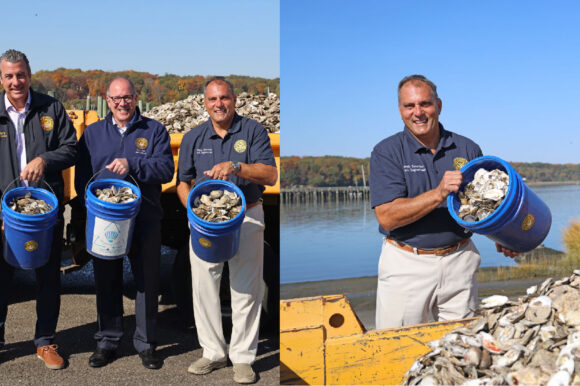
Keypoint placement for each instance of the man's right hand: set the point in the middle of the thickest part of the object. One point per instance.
(450, 183)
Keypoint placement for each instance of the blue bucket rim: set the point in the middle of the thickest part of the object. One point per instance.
(500, 210)
(7, 194)
(112, 181)
(223, 183)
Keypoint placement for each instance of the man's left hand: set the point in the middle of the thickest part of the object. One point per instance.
(34, 170)
(506, 251)
(119, 166)
(221, 171)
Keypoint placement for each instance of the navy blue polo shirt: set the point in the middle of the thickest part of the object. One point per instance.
(402, 167)
(246, 141)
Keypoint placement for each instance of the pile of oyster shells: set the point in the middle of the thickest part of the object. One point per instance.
(483, 195)
(184, 115)
(534, 340)
(116, 195)
(29, 205)
(218, 206)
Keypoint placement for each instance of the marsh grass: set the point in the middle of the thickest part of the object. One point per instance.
(542, 266)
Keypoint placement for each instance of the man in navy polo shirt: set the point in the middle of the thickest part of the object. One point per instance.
(235, 148)
(428, 262)
(123, 143)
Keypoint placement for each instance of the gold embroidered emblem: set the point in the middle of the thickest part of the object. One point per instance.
(204, 242)
(31, 246)
(3, 134)
(528, 222)
(142, 143)
(459, 162)
(240, 146)
(46, 123)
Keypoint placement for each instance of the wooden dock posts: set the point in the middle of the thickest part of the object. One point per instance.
(310, 194)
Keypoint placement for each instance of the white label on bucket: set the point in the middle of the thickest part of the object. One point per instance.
(110, 237)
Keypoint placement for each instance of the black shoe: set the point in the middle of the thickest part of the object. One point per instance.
(101, 357)
(150, 359)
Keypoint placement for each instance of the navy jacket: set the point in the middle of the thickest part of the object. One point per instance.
(147, 148)
(47, 133)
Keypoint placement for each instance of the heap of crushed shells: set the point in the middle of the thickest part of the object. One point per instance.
(29, 205)
(482, 196)
(116, 195)
(184, 115)
(534, 340)
(217, 206)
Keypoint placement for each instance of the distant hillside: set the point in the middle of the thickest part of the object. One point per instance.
(348, 171)
(71, 86)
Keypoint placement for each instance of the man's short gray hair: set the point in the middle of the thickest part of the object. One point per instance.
(219, 78)
(13, 56)
(420, 78)
(133, 89)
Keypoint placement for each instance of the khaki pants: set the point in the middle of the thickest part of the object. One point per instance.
(246, 287)
(415, 289)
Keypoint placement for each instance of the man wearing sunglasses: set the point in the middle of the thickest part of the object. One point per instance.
(127, 143)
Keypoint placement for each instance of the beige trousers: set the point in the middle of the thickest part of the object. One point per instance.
(415, 289)
(246, 287)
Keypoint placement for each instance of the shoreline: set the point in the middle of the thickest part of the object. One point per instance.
(531, 184)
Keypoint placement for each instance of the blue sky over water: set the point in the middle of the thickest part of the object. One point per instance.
(508, 74)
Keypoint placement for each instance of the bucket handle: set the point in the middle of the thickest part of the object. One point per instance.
(94, 175)
(18, 179)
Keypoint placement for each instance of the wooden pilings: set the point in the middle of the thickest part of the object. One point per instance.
(338, 193)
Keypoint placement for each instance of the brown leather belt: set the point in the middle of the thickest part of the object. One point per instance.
(438, 251)
(253, 204)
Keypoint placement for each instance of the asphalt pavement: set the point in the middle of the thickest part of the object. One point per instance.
(177, 340)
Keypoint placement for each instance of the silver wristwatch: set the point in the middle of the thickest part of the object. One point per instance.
(237, 167)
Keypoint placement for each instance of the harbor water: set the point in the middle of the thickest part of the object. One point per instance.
(340, 239)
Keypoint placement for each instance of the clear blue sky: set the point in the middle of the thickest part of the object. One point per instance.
(508, 73)
(183, 37)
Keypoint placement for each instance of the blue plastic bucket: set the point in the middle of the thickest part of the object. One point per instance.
(215, 242)
(521, 222)
(110, 225)
(28, 237)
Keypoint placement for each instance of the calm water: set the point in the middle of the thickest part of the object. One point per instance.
(337, 240)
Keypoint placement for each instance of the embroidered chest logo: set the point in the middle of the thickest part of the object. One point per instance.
(46, 123)
(203, 151)
(141, 143)
(459, 162)
(3, 134)
(240, 146)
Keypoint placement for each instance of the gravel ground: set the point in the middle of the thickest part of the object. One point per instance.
(178, 343)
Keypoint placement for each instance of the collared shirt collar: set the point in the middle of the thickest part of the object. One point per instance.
(123, 129)
(234, 127)
(445, 140)
(10, 107)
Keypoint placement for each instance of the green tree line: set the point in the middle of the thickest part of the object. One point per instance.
(71, 86)
(348, 171)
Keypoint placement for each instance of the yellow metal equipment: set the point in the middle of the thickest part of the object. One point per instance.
(322, 342)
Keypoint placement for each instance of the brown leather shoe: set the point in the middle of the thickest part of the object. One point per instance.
(50, 357)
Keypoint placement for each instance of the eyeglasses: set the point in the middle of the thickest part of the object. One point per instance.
(118, 99)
